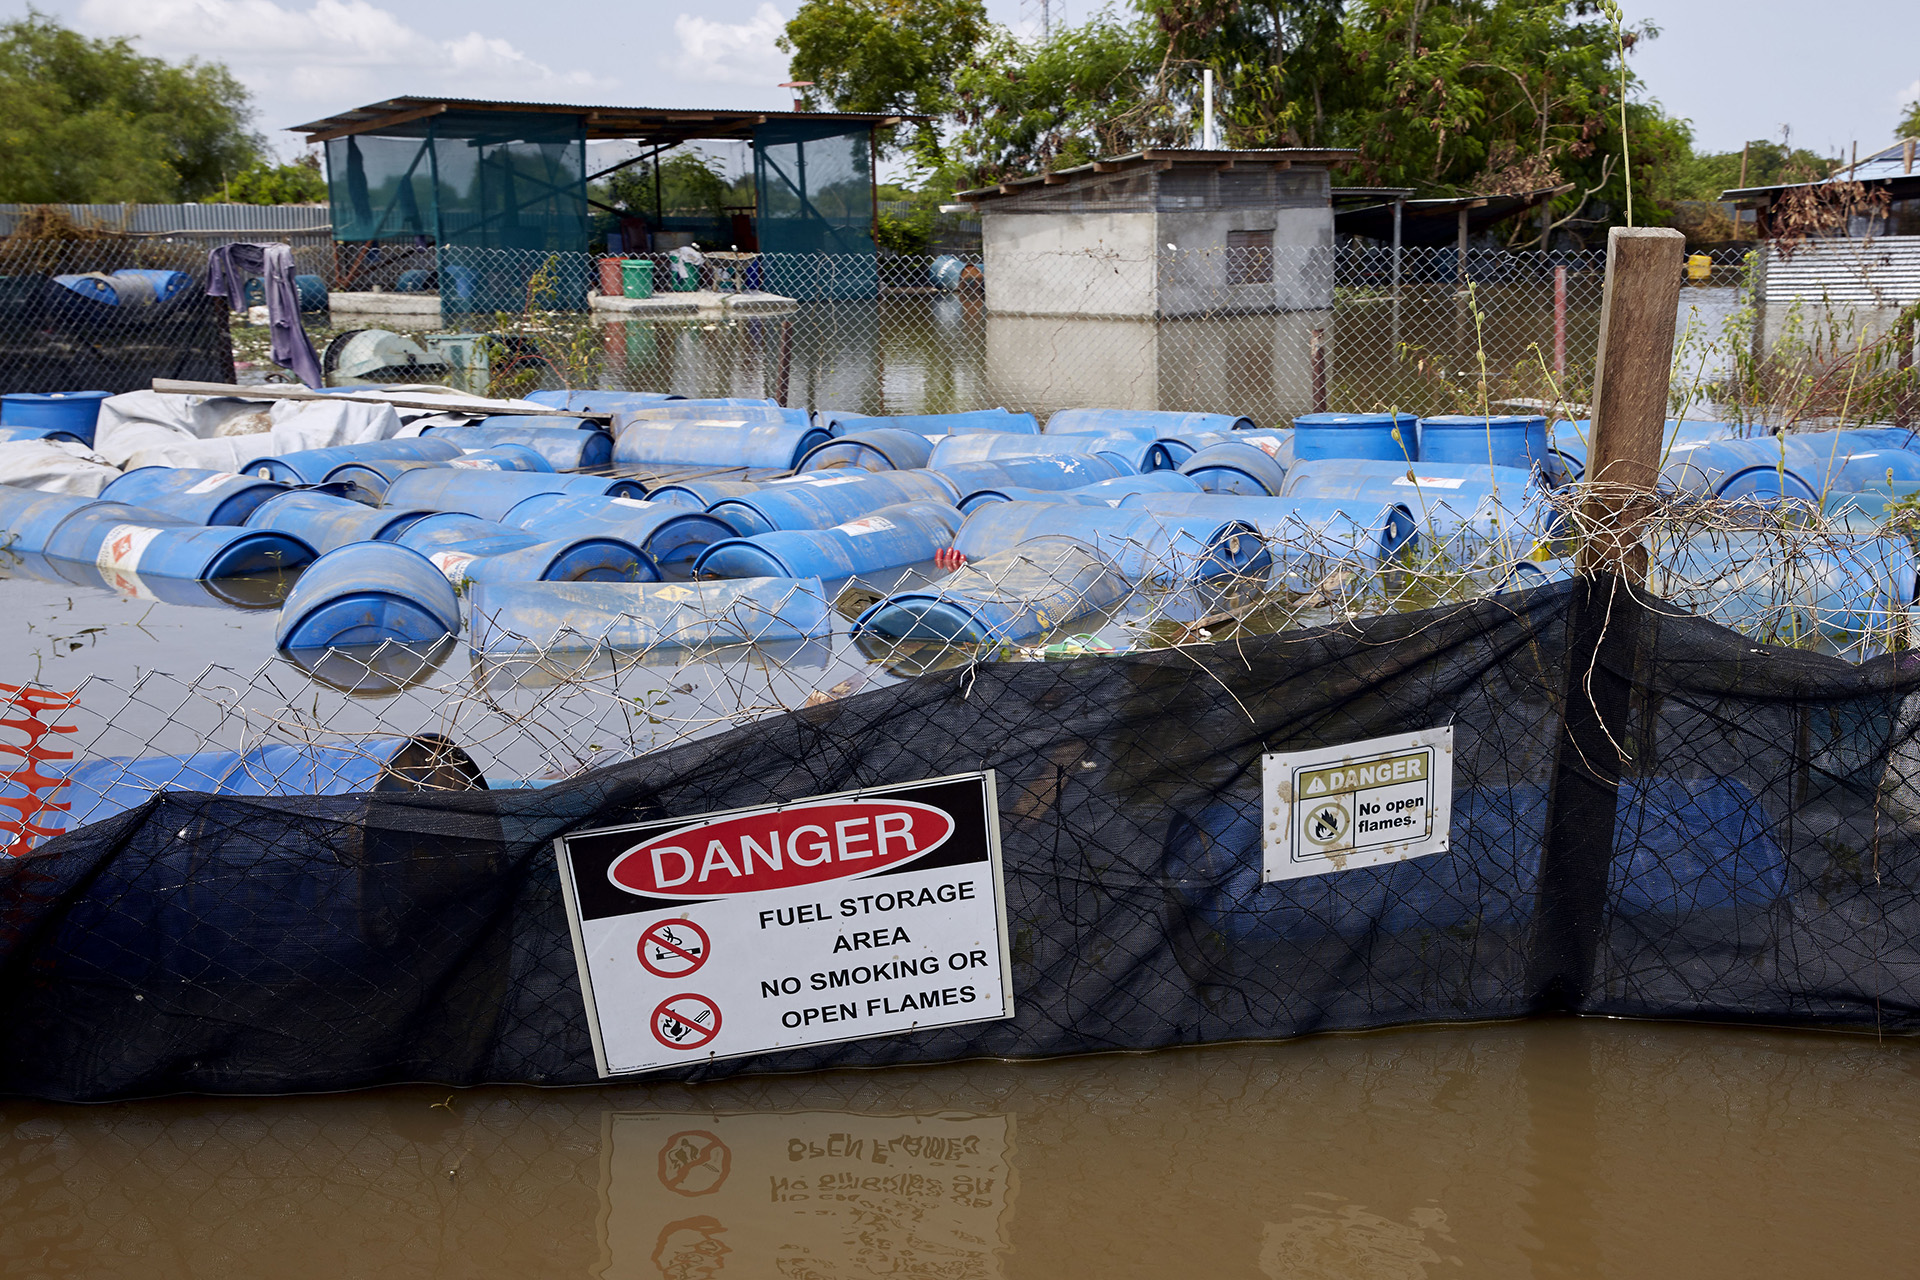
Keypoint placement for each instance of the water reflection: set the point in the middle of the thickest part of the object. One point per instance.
(809, 1194)
(1545, 1149)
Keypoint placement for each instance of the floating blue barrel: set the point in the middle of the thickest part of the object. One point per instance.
(1181, 447)
(819, 500)
(491, 494)
(506, 456)
(1570, 437)
(602, 401)
(326, 523)
(1134, 455)
(310, 466)
(1449, 500)
(1143, 543)
(1037, 471)
(528, 422)
(367, 482)
(99, 788)
(1363, 531)
(890, 538)
(1741, 576)
(532, 618)
(1101, 493)
(1862, 511)
(1356, 435)
(949, 272)
(28, 517)
(720, 437)
(1015, 593)
(699, 495)
(253, 592)
(594, 558)
(880, 450)
(564, 448)
(368, 593)
(1242, 469)
(932, 425)
(129, 539)
(1524, 575)
(1500, 440)
(721, 402)
(467, 548)
(193, 495)
(1142, 424)
(15, 435)
(670, 536)
(1853, 461)
(1760, 470)
(73, 413)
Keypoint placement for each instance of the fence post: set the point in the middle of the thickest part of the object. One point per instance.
(1638, 313)
(1560, 325)
(786, 363)
(1317, 366)
(1903, 405)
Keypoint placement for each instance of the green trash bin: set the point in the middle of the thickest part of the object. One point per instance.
(636, 277)
(685, 276)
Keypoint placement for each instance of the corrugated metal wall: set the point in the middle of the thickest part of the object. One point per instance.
(276, 221)
(1883, 272)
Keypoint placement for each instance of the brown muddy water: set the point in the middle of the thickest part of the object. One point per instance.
(1544, 1149)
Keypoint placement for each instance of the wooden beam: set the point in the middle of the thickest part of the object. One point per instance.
(479, 406)
(1280, 165)
(1638, 312)
(373, 124)
(1052, 180)
(1101, 166)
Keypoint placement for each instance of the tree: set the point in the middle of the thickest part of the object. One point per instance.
(889, 56)
(1909, 126)
(690, 186)
(86, 121)
(261, 183)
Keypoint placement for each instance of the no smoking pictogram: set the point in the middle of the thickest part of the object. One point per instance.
(673, 948)
(694, 1163)
(686, 1021)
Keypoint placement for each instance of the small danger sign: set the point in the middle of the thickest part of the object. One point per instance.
(1358, 804)
(831, 918)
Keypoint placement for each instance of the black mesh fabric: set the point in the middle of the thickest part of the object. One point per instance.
(1718, 830)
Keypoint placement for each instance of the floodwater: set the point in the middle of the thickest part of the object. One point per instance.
(1548, 1149)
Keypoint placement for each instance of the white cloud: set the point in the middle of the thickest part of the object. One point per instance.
(330, 55)
(730, 52)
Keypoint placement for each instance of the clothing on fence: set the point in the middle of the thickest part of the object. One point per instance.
(228, 269)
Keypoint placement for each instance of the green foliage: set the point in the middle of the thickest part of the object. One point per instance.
(690, 186)
(301, 182)
(1704, 177)
(887, 56)
(1909, 126)
(92, 121)
(1091, 90)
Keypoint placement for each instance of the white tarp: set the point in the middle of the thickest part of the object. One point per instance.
(222, 453)
(55, 467)
(141, 420)
(322, 424)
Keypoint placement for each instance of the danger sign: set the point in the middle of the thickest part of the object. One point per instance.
(831, 918)
(1358, 804)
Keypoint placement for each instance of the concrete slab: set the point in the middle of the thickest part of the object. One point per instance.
(695, 302)
(409, 309)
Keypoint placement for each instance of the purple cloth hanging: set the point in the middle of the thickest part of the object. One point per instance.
(228, 269)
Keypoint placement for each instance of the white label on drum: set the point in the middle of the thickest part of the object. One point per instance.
(124, 546)
(1428, 482)
(823, 483)
(213, 482)
(631, 502)
(870, 524)
(476, 464)
(453, 564)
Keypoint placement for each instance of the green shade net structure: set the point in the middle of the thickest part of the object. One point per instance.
(469, 182)
(814, 182)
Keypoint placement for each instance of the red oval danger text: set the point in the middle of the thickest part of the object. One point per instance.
(785, 849)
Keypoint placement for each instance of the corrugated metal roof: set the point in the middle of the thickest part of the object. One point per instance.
(1883, 273)
(664, 126)
(200, 219)
(1897, 165)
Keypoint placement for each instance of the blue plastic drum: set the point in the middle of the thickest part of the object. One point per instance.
(671, 536)
(1516, 441)
(816, 500)
(876, 450)
(1143, 544)
(311, 466)
(126, 539)
(327, 523)
(193, 495)
(890, 538)
(1142, 424)
(1242, 469)
(1389, 436)
(701, 495)
(73, 413)
(1022, 591)
(368, 593)
(28, 517)
(932, 425)
(491, 494)
(564, 448)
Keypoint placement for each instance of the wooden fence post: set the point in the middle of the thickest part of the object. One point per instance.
(1638, 314)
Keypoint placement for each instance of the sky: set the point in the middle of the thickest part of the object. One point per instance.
(1736, 71)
